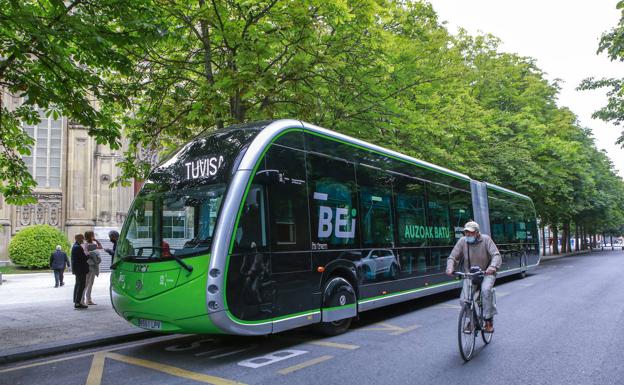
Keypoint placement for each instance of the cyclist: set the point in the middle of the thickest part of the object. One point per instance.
(477, 250)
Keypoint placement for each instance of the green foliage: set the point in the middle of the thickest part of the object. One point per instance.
(385, 71)
(56, 55)
(31, 247)
(611, 43)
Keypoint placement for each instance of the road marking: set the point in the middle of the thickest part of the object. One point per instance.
(172, 370)
(395, 330)
(303, 365)
(334, 345)
(234, 352)
(526, 284)
(97, 368)
(501, 293)
(208, 352)
(447, 306)
(268, 359)
(125, 346)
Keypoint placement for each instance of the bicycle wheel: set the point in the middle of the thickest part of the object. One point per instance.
(487, 337)
(466, 333)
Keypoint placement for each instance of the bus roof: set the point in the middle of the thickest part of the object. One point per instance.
(274, 129)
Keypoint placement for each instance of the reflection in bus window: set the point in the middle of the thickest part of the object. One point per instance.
(288, 199)
(178, 222)
(375, 196)
(332, 203)
(251, 232)
(410, 208)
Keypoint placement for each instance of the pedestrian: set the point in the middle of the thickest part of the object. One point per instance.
(113, 236)
(91, 245)
(80, 268)
(58, 261)
(477, 250)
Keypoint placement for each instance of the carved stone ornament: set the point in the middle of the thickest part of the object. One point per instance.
(47, 211)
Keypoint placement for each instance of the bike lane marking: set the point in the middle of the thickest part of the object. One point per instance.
(334, 345)
(394, 330)
(305, 364)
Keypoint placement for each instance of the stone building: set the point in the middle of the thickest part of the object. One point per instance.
(73, 174)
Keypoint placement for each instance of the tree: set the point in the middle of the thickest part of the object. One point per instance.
(55, 55)
(611, 43)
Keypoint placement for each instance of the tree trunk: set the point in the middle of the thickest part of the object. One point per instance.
(207, 46)
(612, 246)
(564, 237)
(555, 240)
(544, 240)
(576, 237)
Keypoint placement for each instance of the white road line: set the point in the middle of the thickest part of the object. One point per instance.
(268, 359)
(234, 352)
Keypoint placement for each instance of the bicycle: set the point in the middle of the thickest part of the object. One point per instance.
(471, 319)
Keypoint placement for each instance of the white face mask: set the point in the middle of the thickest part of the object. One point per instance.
(471, 239)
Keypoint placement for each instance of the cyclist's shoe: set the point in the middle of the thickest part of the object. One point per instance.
(489, 326)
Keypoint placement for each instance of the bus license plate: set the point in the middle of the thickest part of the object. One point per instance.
(149, 324)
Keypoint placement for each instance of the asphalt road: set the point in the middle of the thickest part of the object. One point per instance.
(563, 324)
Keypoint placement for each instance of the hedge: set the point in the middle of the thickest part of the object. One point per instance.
(31, 246)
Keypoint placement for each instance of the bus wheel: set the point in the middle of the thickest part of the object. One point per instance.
(339, 307)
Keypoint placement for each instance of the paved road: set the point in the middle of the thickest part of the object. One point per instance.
(560, 325)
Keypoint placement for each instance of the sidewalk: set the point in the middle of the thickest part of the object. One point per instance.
(37, 319)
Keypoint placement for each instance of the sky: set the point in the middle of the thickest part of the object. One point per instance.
(563, 37)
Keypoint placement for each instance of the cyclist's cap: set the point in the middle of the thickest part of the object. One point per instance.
(471, 226)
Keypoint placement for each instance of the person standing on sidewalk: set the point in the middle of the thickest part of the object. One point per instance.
(80, 268)
(113, 235)
(93, 259)
(58, 261)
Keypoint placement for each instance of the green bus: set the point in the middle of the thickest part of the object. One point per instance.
(265, 227)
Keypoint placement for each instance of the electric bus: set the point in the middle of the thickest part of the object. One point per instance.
(259, 228)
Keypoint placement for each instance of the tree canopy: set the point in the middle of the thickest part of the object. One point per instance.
(385, 71)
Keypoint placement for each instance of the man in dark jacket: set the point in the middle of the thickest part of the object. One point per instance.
(113, 236)
(80, 268)
(58, 261)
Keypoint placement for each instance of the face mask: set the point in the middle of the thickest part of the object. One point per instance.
(471, 240)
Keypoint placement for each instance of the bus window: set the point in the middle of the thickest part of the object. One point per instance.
(251, 235)
(375, 195)
(438, 219)
(288, 200)
(332, 203)
(461, 210)
(410, 211)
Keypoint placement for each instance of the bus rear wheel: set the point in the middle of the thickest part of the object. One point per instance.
(338, 296)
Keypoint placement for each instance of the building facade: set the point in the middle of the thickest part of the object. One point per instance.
(73, 175)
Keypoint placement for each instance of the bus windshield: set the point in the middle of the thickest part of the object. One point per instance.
(171, 224)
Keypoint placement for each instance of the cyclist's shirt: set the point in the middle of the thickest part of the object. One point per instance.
(483, 253)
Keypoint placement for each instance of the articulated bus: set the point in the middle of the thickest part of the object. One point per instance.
(265, 227)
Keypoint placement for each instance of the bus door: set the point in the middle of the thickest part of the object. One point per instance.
(250, 289)
(291, 271)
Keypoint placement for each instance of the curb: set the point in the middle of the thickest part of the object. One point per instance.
(550, 257)
(35, 351)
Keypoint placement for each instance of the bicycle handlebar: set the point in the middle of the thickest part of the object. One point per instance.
(469, 275)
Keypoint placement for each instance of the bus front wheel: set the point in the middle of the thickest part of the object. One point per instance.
(338, 299)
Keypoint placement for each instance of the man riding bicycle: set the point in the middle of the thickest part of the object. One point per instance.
(477, 250)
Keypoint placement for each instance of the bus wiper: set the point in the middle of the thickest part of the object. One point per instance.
(182, 263)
